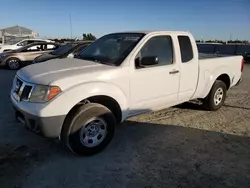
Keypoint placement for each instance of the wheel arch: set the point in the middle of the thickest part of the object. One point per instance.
(104, 100)
(224, 78)
(210, 80)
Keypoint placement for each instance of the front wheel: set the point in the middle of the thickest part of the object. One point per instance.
(216, 96)
(88, 129)
(13, 63)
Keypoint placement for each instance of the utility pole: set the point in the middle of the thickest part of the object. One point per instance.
(70, 25)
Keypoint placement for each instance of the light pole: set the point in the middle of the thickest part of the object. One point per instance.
(70, 25)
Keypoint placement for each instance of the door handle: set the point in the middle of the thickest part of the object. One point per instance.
(174, 72)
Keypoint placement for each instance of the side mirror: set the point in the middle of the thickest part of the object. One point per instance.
(146, 61)
(71, 55)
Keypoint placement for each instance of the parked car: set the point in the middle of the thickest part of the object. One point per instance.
(7, 47)
(244, 50)
(207, 48)
(225, 49)
(80, 100)
(67, 50)
(15, 59)
(247, 57)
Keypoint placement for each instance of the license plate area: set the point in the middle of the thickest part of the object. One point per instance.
(20, 117)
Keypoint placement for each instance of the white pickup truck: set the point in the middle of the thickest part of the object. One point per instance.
(81, 100)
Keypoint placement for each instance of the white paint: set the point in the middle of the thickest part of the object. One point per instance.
(135, 90)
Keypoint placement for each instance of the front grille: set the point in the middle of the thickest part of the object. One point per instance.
(18, 85)
(26, 92)
(21, 90)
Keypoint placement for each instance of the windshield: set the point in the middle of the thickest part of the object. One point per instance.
(111, 49)
(14, 40)
(63, 49)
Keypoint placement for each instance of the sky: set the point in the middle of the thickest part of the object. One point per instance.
(206, 19)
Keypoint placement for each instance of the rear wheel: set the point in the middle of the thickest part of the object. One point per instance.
(216, 96)
(13, 63)
(88, 129)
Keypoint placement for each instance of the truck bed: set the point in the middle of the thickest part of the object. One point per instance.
(210, 56)
(211, 66)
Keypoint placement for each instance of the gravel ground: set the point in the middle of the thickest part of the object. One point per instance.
(179, 147)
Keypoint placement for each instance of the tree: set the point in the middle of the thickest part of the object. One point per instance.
(88, 36)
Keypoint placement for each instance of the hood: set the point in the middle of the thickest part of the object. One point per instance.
(56, 70)
(6, 46)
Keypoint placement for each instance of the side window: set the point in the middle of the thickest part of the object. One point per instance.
(185, 48)
(160, 47)
(34, 48)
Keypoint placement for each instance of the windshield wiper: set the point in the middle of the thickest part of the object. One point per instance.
(91, 58)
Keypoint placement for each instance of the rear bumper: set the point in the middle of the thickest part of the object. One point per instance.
(238, 83)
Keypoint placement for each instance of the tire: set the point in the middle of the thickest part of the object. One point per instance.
(216, 96)
(13, 63)
(78, 131)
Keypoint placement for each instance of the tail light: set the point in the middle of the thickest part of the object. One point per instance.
(242, 64)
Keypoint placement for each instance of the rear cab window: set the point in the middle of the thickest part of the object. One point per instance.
(186, 49)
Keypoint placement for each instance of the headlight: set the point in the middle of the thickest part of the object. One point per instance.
(44, 93)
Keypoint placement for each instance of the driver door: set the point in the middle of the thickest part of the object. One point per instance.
(33, 51)
(154, 87)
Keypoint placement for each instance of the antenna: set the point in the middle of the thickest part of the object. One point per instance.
(70, 25)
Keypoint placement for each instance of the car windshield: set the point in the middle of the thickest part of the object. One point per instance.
(63, 49)
(14, 40)
(111, 49)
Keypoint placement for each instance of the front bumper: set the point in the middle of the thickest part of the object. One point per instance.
(44, 126)
(2, 63)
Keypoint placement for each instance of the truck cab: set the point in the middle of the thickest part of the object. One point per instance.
(172, 79)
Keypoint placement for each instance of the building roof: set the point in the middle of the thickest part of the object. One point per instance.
(18, 31)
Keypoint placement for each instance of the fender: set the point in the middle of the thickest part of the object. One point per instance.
(14, 56)
(64, 102)
(210, 79)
